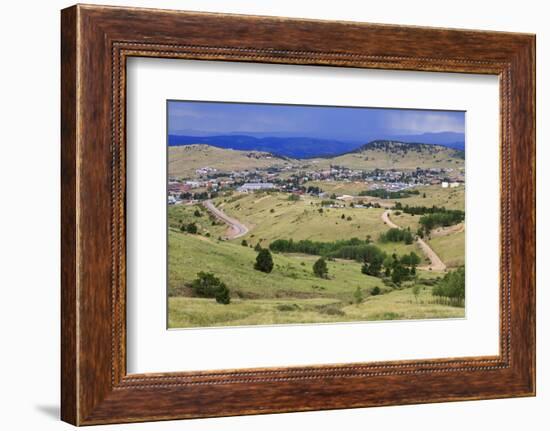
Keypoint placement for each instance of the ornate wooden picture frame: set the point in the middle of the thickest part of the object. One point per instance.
(96, 42)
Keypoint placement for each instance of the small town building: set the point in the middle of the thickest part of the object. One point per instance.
(250, 187)
(345, 198)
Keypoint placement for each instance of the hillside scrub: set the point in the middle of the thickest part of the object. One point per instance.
(293, 197)
(451, 288)
(190, 228)
(400, 269)
(207, 285)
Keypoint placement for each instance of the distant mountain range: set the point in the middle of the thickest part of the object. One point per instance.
(307, 147)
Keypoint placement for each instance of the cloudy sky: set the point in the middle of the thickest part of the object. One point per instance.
(307, 121)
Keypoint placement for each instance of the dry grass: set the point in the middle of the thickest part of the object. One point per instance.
(184, 160)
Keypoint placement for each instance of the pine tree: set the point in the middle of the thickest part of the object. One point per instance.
(320, 268)
(264, 261)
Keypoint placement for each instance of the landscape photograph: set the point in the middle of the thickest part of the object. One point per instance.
(303, 214)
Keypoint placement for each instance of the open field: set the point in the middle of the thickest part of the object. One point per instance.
(290, 294)
(450, 248)
(272, 216)
(395, 305)
(450, 198)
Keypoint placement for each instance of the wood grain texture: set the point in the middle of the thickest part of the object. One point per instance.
(96, 41)
(69, 396)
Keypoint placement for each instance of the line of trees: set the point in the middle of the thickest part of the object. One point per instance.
(388, 194)
(314, 190)
(352, 249)
(318, 248)
(422, 210)
(199, 196)
(397, 235)
(449, 218)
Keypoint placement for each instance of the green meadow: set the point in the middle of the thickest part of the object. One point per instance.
(291, 293)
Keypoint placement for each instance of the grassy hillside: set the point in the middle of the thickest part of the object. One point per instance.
(184, 160)
(290, 294)
(272, 216)
(179, 215)
(450, 198)
(292, 275)
(397, 155)
(450, 248)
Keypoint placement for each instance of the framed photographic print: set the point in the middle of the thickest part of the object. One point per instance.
(291, 210)
(264, 217)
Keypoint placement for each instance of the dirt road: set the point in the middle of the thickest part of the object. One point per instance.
(235, 228)
(436, 264)
(448, 230)
(386, 219)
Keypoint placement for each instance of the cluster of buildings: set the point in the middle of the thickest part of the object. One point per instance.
(207, 170)
(296, 179)
(452, 185)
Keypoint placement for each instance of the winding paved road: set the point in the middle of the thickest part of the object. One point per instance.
(436, 264)
(235, 228)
